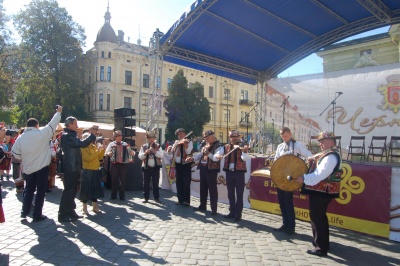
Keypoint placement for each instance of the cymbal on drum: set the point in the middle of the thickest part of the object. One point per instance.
(288, 166)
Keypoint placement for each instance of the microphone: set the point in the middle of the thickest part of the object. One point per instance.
(340, 92)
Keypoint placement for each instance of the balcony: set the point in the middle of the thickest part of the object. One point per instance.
(246, 102)
(244, 124)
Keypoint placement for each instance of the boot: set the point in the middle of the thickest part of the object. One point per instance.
(96, 208)
(84, 209)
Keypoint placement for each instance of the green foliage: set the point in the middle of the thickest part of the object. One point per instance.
(186, 107)
(50, 60)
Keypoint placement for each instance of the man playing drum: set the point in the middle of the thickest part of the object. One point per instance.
(323, 184)
(285, 198)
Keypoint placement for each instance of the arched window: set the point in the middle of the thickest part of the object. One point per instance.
(102, 54)
(109, 54)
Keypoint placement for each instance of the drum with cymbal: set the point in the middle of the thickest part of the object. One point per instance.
(285, 170)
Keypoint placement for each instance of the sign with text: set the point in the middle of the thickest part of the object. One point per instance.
(363, 205)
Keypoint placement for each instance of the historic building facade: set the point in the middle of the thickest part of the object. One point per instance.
(380, 49)
(118, 75)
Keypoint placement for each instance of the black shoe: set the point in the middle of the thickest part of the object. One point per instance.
(280, 229)
(231, 215)
(178, 203)
(23, 216)
(200, 209)
(145, 201)
(113, 198)
(158, 201)
(317, 252)
(187, 204)
(238, 219)
(66, 219)
(289, 231)
(41, 218)
(122, 198)
(73, 214)
(214, 213)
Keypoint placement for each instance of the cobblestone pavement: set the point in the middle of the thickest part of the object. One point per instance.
(133, 233)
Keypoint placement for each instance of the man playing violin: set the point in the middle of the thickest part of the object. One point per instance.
(322, 184)
(209, 166)
(235, 169)
(151, 153)
(285, 198)
(180, 151)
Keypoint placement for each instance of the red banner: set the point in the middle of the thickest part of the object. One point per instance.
(363, 205)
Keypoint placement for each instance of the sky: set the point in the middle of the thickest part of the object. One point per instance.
(140, 18)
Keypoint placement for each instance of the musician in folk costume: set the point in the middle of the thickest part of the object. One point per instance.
(285, 198)
(209, 166)
(235, 169)
(118, 150)
(322, 183)
(180, 151)
(151, 153)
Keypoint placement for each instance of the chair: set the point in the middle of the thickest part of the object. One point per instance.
(394, 145)
(312, 147)
(339, 143)
(377, 148)
(357, 147)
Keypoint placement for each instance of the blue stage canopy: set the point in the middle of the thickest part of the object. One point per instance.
(255, 40)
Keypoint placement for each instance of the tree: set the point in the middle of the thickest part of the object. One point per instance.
(52, 61)
(186, 107)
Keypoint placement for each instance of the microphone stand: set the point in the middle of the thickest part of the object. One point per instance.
(283, 112)
(333, 103)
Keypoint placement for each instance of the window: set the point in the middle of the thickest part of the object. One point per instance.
(101, 101)
(109, 74)
(89, 104)
(144, 106)
(227, 94)
(220, 136)
(244, 118)
(244, 95)
(102, 73)
(211, 113)
(128, 77)
(102, 54)
(95, 102)
(159, 107)
(108, 102)
(146, 81)
(96, 75)
(90, 77)
(211, 92)
(109, 54)
(227, 115)
(128, 102)
(169, 82)
(158, 85)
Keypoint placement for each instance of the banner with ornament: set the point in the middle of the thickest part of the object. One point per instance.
(361, 102)
(363, 205)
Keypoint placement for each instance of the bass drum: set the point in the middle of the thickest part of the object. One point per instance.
(288, 166)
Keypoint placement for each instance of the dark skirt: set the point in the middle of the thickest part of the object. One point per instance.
(90, 185)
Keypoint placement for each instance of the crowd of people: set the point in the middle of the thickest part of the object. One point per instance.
(82, 162)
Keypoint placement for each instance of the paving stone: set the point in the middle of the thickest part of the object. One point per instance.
(133, 233)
